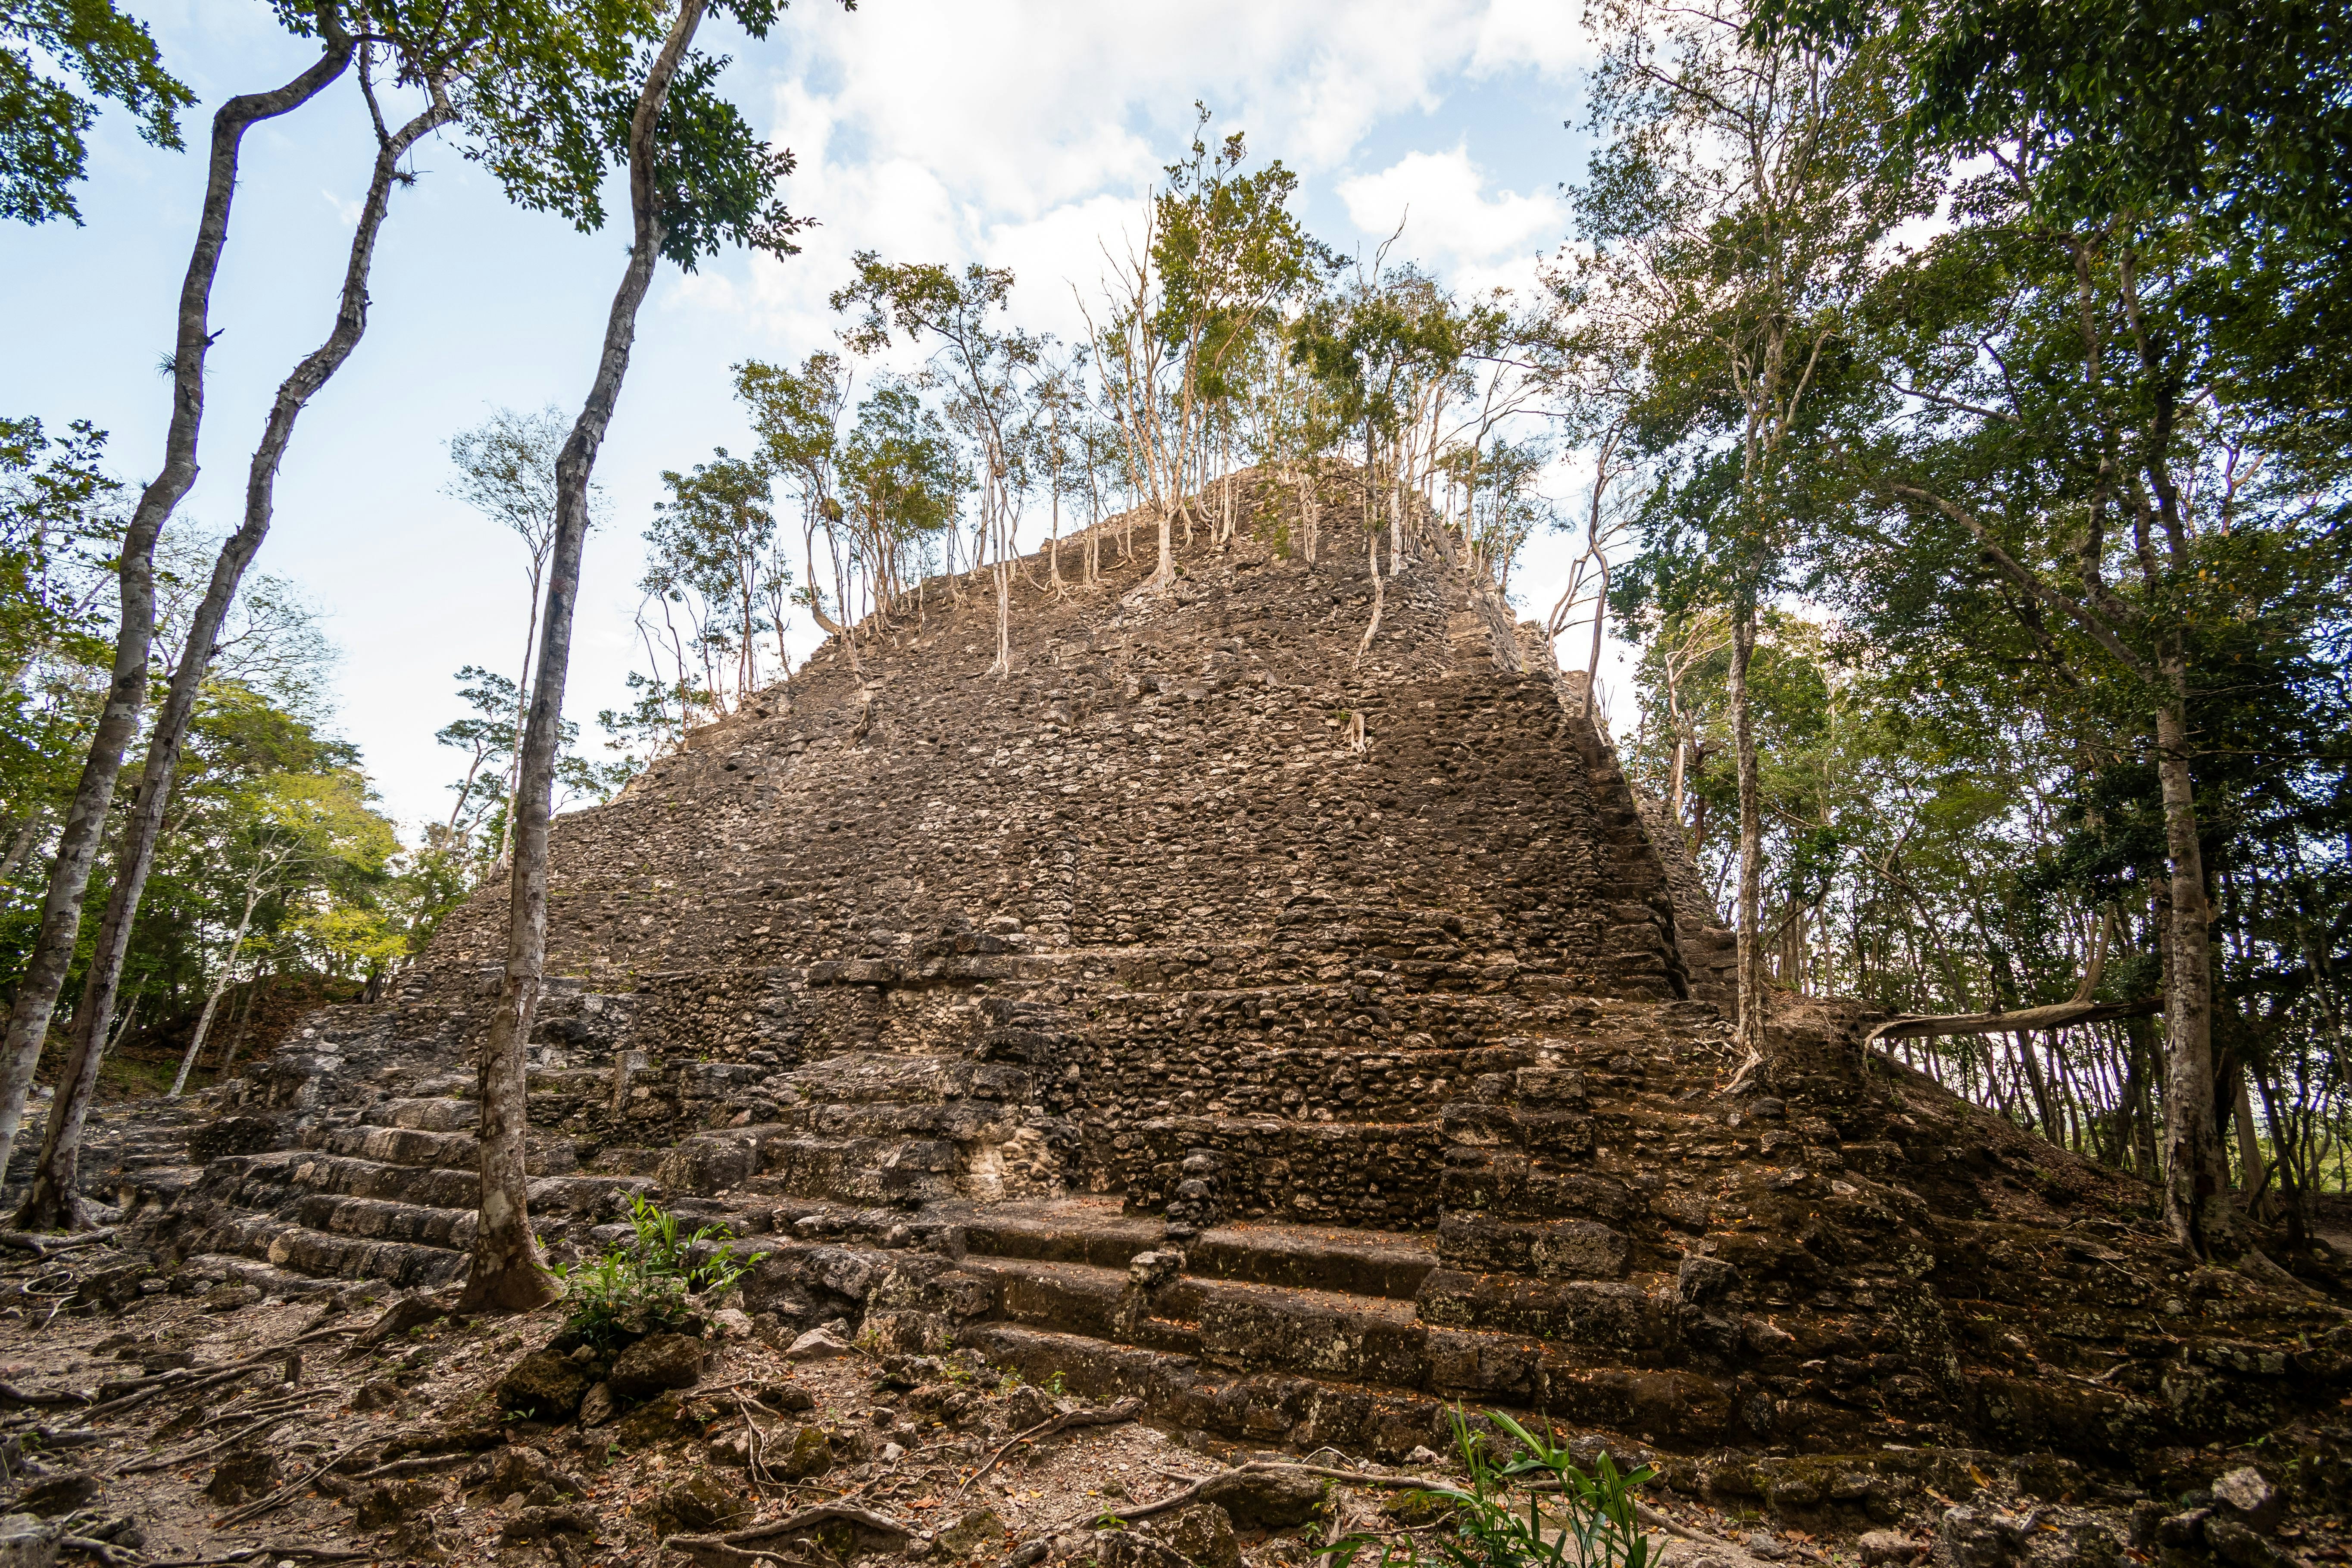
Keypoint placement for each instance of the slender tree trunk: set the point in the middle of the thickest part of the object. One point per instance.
(1750, 904)
(85, 822)
(825, 623)
(1592, 658)
(2197, 1200)
(20, 844)
(54, 1200)
(506, 1274)
(1165, 572)
(848, 632)
(2128, 1099)
(1054, 499)
(1372, 556)
(2250, 1145)
(2292, 1143)
(2042, 1103)
(211, 1002)
(253, 989)
(522, 708)
(1004, 546)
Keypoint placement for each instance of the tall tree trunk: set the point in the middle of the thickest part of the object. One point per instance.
(54, 1200)
(506, 1274)
(2250, 1145)
(2197, 1200)
(212, 1001)
(522, 708)
(1751, 950)
(85, 822)
(1003, 668)
(1372, 559)
(2129, 1100)
(20, 844)
(2043, 1105)
(1164, 572)
(253, 989)
(2288, 1138)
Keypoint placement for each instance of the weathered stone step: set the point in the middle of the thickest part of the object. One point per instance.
(961, 1121)
(405, 1146)
(1629, 1319)
(781, 1161)
(418, 1149)
(436, 1114)
(382, 1219)
(252, 1271)
(283, 1177)
(1309, 1409)
(856, 1171)
(569, 1081)
(1336, 1172)
(871, 1077)
(151, 1189)
(288, 1245)
(1252, 1327)
(1366, 1263)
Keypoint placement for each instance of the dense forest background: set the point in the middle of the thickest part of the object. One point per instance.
(1949, 403)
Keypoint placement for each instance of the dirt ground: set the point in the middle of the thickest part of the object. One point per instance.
(150, 1419)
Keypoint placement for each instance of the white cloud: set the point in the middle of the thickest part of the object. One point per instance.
(1543, 35)
(1018, 113)
(1450, 221)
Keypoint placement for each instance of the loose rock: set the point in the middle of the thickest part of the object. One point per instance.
(818, 1344)
(1978, 1538)
(2250, 1499)
(1881, 1546)
(656, 1364)
(242, 1477)
(696, 1504)
(1256, 1500)
(1203, 1533)
(544, 1386)
(975, 1532)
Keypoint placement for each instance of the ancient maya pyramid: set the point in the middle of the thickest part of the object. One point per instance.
(954, 995)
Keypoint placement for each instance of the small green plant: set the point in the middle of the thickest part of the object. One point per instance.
(1563, 1517)
(1054, 1385)
(641, 1286)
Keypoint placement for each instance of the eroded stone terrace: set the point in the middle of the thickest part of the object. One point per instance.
(953, 995)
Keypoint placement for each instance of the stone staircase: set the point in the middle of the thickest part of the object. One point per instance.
(1303, 1041)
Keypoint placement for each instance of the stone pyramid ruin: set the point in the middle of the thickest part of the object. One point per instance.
(1302, 1041)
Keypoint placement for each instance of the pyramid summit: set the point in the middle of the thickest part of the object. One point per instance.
(1299, 1035)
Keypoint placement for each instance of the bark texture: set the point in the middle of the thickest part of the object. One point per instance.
(85, 822)
(1751, 839)
(505, 1273)
(2197, 1200)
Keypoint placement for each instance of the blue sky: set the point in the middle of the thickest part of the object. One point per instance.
(1021, 134)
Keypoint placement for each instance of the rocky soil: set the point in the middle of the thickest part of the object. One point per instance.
(158, 1415)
